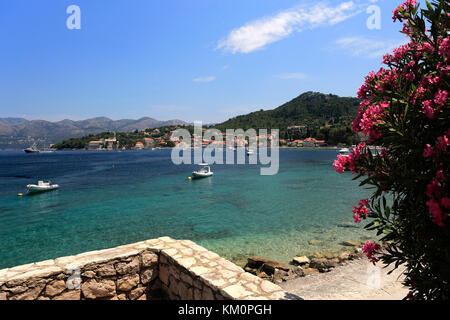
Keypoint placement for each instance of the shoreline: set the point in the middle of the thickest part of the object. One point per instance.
(354, 280)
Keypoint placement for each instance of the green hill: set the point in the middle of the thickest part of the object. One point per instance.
(326, 116)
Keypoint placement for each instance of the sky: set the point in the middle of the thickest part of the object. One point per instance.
(206, 60)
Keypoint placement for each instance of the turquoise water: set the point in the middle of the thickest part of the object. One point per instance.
(112, 198)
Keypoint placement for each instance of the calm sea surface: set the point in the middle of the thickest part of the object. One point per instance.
(108, 199)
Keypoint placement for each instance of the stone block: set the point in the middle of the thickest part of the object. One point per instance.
(127, 282)
(94, 289)
(55, 288)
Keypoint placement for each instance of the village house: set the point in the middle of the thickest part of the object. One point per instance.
(95, 145)
(139, 145)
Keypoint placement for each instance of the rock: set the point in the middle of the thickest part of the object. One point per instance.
(148, 275)
(314, 242)
(106, 270)
(263, 275)
(149, 259)
(30, 294)
(55, 287)
(128, 267)
(344, 256)
(301, 260)
(310, 271)
(89, 274)
(251, 270)
(332, 263)
(279, 270)
(69, 295)
(330, 256)
(317, 255)
(122, 296)
(3, 296)
(94, 289)
(128, 282)
(136, 293)
(319, 264)
(348, 225)
(350, 243)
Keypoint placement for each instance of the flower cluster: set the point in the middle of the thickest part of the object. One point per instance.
(370, 249)
(406, 7)
(437, 203)
(350, 161)
(361, 211)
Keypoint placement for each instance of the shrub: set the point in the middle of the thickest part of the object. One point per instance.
(404, 110)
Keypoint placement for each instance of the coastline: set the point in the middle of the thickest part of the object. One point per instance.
(354, 280)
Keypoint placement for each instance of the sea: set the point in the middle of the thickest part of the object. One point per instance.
(109, 198)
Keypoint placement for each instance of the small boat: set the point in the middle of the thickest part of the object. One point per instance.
(41, 187)
(344, 151)
(204, 172)
(32, 149)
(249, 152)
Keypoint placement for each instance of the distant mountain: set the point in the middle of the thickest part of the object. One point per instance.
(17, 133)
(309, 108)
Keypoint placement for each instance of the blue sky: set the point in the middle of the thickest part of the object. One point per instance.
(192, 60)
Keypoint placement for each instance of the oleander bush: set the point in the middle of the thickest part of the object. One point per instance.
(404, 110)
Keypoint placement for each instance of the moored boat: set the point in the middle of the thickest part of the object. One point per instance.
(344, 151)
(204, 172)
(41, 187)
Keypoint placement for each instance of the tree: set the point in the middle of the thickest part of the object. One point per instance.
(404, 109)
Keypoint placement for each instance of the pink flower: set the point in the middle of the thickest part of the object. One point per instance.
(443, 143)
(427, 109)
(428, 151)
(434, 191)
(361, 211)
(444, 48)
(441, 97)
(340, 164)
(370, 249)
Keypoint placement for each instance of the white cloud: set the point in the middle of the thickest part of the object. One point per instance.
(369, 48)
(296, 75)
(204, 79)
(257, 34)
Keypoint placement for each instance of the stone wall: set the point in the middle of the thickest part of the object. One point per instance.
(161, 268)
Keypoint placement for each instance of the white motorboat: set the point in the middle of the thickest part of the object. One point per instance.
(344, 151)
(249, 152)
(203, 172)
(32, 149)
(41, 187)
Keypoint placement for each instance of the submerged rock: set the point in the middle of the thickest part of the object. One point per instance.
(350, 243)
(348, 225)
(314, 242)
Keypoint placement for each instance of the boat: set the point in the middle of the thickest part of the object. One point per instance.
(344, 151)
(250, 152)
(41, 187)
(32, 149)
(203, 172)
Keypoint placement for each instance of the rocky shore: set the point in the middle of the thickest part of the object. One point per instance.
(303, 265)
